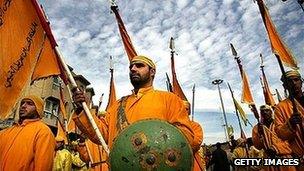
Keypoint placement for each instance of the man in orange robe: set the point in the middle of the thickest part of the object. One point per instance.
(28, 144)
(289, 126)
(143, 103)
(264, 137)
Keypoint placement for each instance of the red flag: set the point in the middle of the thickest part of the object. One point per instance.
(124, 35)
(277, 45)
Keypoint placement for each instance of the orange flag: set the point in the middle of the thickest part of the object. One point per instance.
(175, 85)
(61, 126)
(71, 125)
(266, 91)
(112, 94)
(124, 35)
(246, 93)
(176, 88)
(277, 45)
(24, 48)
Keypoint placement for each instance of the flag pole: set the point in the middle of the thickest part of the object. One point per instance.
(238, 117)
(84, 105)
(193, 95)
(218, 82)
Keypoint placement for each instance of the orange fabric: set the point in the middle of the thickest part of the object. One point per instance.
(25, 51)
(32, 143)
(112, 94)
(246, 93)
(124, 35)
(267, 93)
(47, 64)
(282, 112)
(21, 39)
(61, 132)
(277, 45)
(71, 124)
(166, 106)
(272, 141)
(98, 155)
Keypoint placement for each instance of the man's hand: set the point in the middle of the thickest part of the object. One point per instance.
(78, 98)
(295, 119)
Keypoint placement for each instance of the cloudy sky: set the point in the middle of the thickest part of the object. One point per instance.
(87, 35)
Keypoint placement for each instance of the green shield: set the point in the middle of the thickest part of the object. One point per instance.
(151, 145)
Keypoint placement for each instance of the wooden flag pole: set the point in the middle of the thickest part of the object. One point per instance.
(84, 105)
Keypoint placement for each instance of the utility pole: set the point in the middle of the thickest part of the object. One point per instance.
(218, 82)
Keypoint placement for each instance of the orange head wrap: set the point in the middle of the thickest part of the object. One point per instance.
(38, 103)
(143, 59)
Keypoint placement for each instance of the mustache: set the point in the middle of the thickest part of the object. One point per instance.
(134, 74)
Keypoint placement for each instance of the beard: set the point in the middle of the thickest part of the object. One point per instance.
(138, 80)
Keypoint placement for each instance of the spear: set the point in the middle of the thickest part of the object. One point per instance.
(193, 95)
(238, 60)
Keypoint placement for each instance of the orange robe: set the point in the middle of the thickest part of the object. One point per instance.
(91, 152)
(272, 141)
(147, 104)
(295, 138)
(29, 146)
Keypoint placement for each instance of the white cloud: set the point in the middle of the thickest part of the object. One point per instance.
(87, 34)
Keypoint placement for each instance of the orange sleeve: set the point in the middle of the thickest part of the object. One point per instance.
(283, 128)
(44, 150)
(84, 125)
(178, 116)
(257, 141)
(83, 153)
(198, 135)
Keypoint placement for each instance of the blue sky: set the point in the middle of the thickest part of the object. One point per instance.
(87, 34)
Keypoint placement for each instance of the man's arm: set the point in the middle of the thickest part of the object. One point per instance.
(178, 116)
(83, 123)
(283, 128)
(44, 147)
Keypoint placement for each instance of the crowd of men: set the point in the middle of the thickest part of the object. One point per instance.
(30, 145)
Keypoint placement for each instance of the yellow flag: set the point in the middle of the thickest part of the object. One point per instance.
(277, 45)
(243, 115)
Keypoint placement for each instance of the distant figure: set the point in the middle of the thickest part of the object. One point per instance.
(63, 158)
(219, 159)
(240, 152)
(30, 143)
